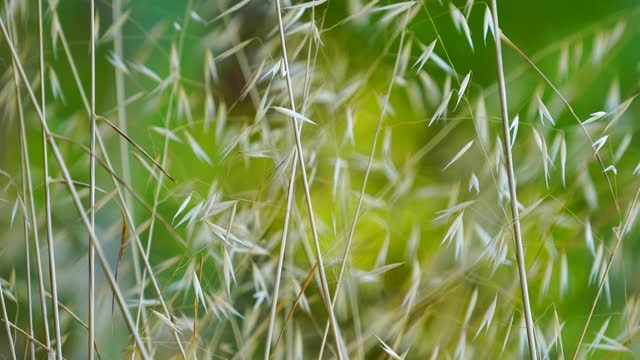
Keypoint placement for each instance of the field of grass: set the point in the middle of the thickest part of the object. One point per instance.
(240, 179)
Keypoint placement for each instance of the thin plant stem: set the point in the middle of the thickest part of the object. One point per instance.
(117, 182)
(47, 195)
(121, 95)
(619, 233)
(147, 251)
(175, 74)
(323, 278)
(129, 218)
(75, 197)
(28, 337)
(26, 231)
(34, 221)
(517, 232)
(601, 163)
(24, 161)
(123, 125)
(30, 222)
(25, 223)
(363, 188)
(7, 327)
(283, 247)
(290, 196)
(566, 103)
(92, 186)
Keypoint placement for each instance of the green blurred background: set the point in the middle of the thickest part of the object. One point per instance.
(539, 28)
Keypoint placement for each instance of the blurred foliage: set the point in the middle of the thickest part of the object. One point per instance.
(177, 83)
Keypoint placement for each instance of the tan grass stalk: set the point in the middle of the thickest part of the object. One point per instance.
(118, 183)
(30, 218)
(147, 251)
(7, 327)
(30, 202)
(566, 103)
(47, 194)
(92, 186)
(283, 247)
(517, 233)
(25, 223)
(290, 196)
(121, 107)
(601, 163)
(29, 338)
(74, 195)
(175, 77)
(300, 157)
(363, 188)
(618, 234)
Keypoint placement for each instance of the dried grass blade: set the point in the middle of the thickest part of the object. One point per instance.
(135, 145)
(459, 154)
(293, 114)
(426, 54)
(463, 88)
(123, 242)
(231, 10)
